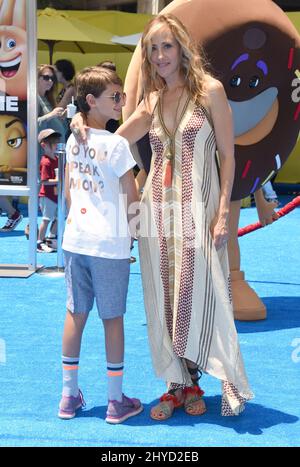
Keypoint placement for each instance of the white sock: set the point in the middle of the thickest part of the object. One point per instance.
(115, 380)
(70, 376)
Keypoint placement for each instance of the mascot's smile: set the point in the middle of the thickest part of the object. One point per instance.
(255, 118)
(10, 68)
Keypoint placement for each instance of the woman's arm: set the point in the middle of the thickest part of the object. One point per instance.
(67, 97)
(140, 180)
(57, 112)
(137, 125)
(129, 188)
(133, 129)
(223, 126)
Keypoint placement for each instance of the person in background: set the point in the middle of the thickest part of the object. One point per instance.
(269, 193)
(65, 72)
(14, 216)
(48, 139)
(108, 64)
(49, 115)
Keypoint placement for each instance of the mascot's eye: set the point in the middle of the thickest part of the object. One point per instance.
(254, 82)
(11, 43)
(15, 143)
(235, 81)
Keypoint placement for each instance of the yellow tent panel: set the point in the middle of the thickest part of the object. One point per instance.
(116, 22)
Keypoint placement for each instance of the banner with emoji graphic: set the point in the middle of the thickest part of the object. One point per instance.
(13, 92)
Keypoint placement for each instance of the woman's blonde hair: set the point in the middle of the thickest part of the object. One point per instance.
(50, 95)
(192, 58)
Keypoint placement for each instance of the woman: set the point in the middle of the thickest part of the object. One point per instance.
(65, 73)
(49, 116)
(184, 222)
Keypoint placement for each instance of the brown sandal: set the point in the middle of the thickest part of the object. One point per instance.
(164, 409)
(193, 402)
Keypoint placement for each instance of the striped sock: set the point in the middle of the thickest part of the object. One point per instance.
(115, 380)
(70, 376)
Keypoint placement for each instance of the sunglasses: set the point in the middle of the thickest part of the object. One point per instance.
(47, 77)
(117, 97)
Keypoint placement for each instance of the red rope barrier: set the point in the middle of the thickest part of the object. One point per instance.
(282, 212)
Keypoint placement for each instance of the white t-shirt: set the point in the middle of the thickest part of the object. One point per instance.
(97, 222)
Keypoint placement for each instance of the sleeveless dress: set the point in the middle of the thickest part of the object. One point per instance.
(185, 279)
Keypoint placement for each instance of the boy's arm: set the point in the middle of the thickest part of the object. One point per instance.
(129, 188)
(49, 181)
(67, 187)
(46, 174)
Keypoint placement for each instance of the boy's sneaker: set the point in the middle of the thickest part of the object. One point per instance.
(118, 412)
(12, 222)
(69, 404)
(51, 242)
(43, 248)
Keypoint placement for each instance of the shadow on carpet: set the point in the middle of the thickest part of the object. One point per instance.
(254, 420)
(282, 313)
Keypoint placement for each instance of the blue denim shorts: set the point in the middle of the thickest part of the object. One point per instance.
(90, 277)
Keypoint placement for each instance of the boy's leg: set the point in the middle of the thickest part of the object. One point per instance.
(79, 298)
(42, 230)
(53, 228)
(6, 206)
(114, 346)
(73, 329)
(72, 398)
(120, 407)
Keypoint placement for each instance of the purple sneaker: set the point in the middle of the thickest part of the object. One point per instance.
(118, 412)
(69, 404)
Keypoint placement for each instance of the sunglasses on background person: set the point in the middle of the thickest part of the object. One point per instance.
(117, 97)
(47, 77)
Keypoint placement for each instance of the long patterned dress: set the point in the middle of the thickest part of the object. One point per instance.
(185, 279)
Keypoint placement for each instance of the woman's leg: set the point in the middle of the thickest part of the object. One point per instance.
(193, 403)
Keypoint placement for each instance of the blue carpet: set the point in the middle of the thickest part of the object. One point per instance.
(32, 316)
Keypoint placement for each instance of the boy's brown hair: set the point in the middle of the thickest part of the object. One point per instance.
(93, 80)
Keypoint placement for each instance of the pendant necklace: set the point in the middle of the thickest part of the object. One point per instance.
(169, 152)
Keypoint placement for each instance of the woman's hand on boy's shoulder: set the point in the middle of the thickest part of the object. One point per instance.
(79, 128)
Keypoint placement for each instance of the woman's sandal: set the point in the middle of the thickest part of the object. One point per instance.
(193, 402)
(165, 408)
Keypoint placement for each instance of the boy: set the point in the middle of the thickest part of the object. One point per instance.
(97, 240)
(48, 140)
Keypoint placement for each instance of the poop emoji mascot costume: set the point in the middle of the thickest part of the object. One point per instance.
(254, 50)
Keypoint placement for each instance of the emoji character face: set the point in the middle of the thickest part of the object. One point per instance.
(13, 145)
(13, 49)
(254, 50)
(257, 73)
